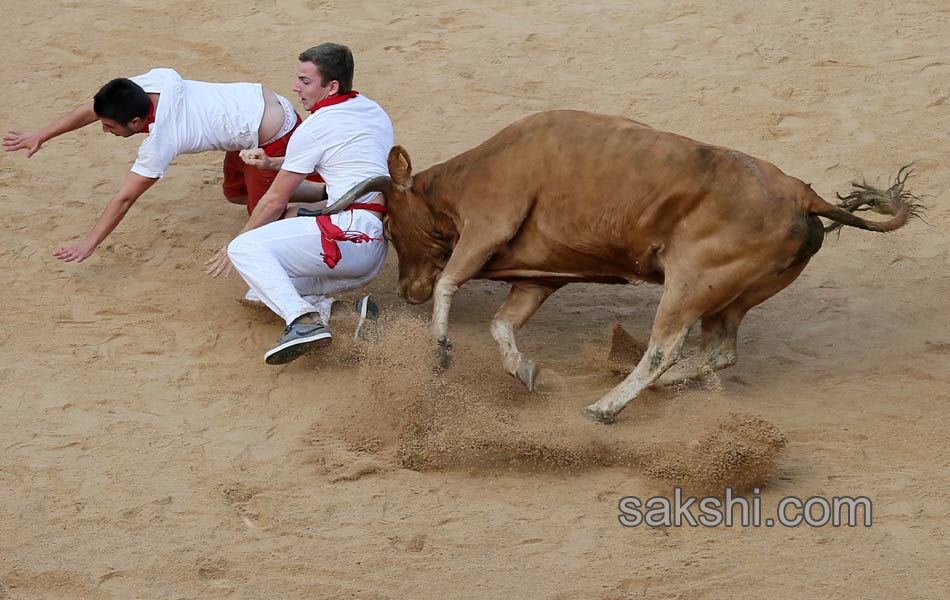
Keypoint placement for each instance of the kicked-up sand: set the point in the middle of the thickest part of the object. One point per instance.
(146, 450)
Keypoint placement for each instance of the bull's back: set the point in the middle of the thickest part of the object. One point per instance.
(603, 195)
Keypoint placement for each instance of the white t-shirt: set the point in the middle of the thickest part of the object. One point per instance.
(194, 116)
(345, 143)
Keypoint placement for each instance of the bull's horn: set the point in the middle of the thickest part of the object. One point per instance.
(380, 183)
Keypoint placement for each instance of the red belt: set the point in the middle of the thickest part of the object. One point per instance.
(279, 146)
(332, 234)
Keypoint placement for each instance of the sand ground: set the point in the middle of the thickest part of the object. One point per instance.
(147, 452)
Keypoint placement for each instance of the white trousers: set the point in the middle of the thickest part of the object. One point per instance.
(282, 261)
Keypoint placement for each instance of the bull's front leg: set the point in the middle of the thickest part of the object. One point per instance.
(468, 258)
(522, 302)
(441, 304)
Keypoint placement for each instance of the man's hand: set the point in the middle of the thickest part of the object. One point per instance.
(257, 158)
(76, 251)
(220, 263)
(18, 140)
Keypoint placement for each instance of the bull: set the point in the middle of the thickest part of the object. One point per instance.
(565, 197)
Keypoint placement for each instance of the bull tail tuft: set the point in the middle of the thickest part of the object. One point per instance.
(895, 201)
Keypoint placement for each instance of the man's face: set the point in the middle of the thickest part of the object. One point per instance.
(309, 87)
(116, 128)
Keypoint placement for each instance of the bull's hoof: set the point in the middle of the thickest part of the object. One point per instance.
(444, 352)
(444, 357)
(599, 416)
(527, 373)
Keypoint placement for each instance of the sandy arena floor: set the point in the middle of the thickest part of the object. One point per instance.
(146, 451)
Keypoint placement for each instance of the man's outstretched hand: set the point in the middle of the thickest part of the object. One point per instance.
(19, 140)
(76, 251)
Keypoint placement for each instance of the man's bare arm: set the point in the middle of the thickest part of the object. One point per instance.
(32, 141)
(134, 186)
(273, 204)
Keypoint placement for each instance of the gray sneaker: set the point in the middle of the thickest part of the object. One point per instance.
(366, 308)
(298, 340)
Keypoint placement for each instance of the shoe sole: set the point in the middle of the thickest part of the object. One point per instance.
(294, 349)
(364, 312)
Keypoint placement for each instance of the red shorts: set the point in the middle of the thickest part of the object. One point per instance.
(242, 179)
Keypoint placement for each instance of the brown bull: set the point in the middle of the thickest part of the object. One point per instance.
(565, 196)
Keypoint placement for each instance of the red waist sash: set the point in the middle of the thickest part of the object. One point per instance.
(331, 234)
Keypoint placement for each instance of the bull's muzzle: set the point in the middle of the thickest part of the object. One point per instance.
(415, 291)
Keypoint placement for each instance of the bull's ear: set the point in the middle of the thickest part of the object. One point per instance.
(400, 168)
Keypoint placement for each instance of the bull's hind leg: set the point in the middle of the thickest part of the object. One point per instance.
(719, 332)
(721, 329)
(674, 318)
(666, 345)
(681, 306)
(523, 301)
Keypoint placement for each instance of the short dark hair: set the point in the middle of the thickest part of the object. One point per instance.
(335, 61)
(121, 100)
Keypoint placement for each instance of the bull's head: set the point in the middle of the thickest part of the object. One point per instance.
(421, 235)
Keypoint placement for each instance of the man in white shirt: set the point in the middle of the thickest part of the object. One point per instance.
(346, 140)
(180, 117)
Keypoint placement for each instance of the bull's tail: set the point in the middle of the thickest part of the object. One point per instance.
(895, 201)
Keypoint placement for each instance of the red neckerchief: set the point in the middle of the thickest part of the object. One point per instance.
(334, 100)
(151, 116)
(331, 234)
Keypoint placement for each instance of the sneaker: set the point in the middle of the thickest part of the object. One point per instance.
(366, 308)
(298, 340)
